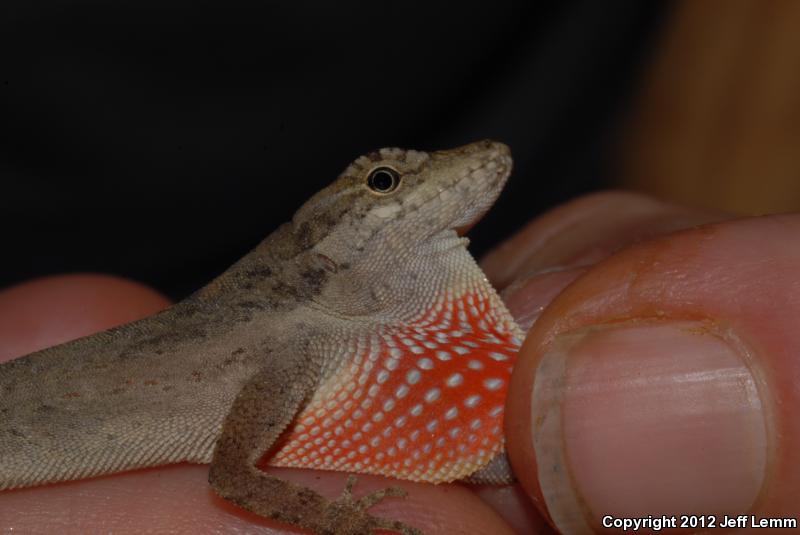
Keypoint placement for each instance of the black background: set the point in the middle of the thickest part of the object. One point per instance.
(162, 140)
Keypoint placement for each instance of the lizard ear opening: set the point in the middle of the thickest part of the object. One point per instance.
(383, 180)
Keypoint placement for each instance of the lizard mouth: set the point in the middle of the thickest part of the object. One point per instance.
(483, 206)
(463, 229)
(480, 182)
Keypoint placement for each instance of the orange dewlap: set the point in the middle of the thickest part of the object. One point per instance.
(422, 402)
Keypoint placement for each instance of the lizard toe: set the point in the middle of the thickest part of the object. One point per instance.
(352, 518)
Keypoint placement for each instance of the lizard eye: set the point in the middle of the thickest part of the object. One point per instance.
(383, 180)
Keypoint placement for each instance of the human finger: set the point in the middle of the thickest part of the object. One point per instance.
(663, 382)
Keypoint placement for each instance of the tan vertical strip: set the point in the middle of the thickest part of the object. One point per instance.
(717, 123)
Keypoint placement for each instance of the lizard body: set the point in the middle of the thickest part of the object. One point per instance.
(361, 336)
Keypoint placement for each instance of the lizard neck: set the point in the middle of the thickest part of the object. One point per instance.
(398, 282)
(273, 277)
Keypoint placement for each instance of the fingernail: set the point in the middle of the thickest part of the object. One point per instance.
(663, 418)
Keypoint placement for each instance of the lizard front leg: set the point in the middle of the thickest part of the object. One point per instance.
(265, 406)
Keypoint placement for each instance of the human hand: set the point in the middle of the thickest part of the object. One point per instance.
(571, 238)
(662, 379)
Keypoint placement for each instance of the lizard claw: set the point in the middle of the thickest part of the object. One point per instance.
(347, 493)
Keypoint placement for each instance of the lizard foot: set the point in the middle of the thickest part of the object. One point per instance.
(350, 517)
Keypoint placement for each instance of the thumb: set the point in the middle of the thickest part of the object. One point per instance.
(663, 382)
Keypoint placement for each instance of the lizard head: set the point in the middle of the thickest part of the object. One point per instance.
(396, 211)
(394, 190)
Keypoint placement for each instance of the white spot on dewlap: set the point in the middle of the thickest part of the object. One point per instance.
(432, 395)
(454, 380)
(425, 363)
(492, 384)
(472, 401)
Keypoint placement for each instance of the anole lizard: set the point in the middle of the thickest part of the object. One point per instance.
(361, 337)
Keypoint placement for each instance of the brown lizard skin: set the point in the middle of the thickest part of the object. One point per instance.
(361, 337)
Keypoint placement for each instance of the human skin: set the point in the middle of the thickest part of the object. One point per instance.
(568, 268)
